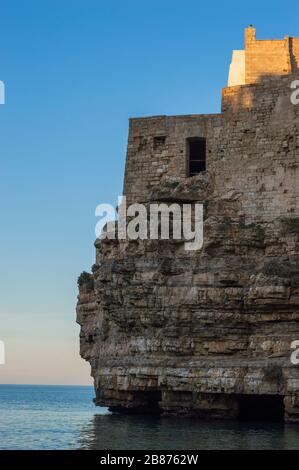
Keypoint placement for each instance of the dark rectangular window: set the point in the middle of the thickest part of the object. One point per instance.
(196, 155)
(159, 142)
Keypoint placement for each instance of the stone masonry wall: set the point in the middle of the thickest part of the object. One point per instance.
(258, 129)
(266, 57)
(150, 159)
(190, 332)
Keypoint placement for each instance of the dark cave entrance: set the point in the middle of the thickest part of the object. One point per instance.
(261, 407)
(147, 402)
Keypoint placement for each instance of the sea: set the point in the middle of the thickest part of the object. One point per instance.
(64, 417)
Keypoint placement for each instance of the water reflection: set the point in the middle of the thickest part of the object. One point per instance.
(112, 432)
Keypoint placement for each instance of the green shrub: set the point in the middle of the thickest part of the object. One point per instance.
(281, 269)
(225, 223)
(242, 224)
(173, 184)
(95, 268)
(260, 233)
(291, 225)
(86, 279)
(273, 373)
(259, 230)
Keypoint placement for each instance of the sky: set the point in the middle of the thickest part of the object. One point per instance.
(74, 72)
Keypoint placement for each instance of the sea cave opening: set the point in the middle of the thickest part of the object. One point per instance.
(147, 402)
(261, 407)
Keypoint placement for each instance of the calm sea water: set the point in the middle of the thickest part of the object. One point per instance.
(45, 417)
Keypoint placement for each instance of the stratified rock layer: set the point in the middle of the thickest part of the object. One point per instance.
(167, 330)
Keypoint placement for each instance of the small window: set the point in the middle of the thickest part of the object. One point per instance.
(159, 142)
(196, 155)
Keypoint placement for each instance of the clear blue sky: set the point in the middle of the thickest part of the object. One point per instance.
(75, 71)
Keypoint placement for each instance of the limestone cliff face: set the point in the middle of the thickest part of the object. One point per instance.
(189, 332)
(193, 332)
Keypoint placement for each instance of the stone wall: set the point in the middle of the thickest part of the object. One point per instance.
(172, 331)
(263, 58)
(266, 57)
(257, 130)
(151, 159)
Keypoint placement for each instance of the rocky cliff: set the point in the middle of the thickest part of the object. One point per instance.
(164, 329)
(208, 332)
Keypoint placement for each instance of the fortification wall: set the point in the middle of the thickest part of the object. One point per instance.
(258, 149)
(294, 43)
(252, 150)
(157, 150)
(265, 57)
(190, 332)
